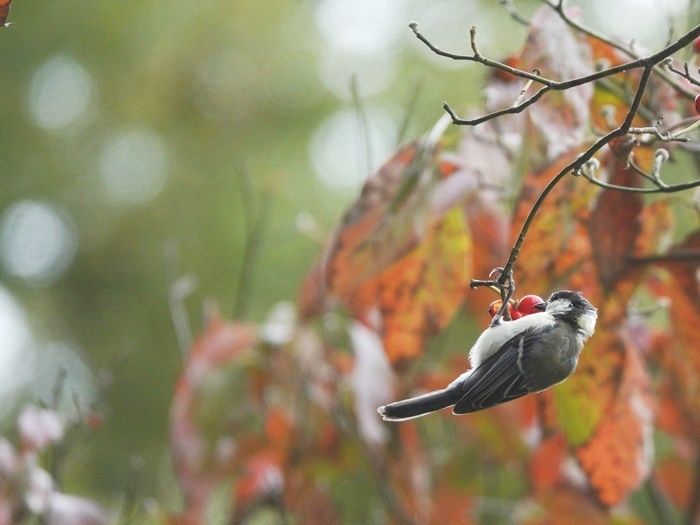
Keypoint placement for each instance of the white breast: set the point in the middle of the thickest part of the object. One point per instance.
(494, 337)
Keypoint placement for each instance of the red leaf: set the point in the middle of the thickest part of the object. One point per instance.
(614, 226)
(546, 462)
(195, 434)
(4, 11)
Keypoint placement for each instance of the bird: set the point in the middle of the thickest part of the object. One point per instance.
(511, 359)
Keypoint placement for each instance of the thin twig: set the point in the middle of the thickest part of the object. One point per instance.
(641, 62)
(255, 216)
(653, 130)
(507, 111)
(679, 255)
(514, 13)
(639, 171)
(685, 73)
(664, 189)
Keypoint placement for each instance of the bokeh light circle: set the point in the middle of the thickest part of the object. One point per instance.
(134, 167)
(60, 93)
(37, 242)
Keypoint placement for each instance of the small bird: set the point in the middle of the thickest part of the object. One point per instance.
(512, 358)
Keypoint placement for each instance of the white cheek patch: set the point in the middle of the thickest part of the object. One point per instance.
(559, 307)
(587, 324)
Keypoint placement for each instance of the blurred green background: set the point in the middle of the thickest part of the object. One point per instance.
(130, 126)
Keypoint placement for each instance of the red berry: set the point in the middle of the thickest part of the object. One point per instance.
(495, 306)
(696, 45)
(697, 104)
(527, 304)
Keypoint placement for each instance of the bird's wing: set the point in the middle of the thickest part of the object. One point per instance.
(499, 379)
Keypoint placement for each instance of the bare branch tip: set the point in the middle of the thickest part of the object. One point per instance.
(413, 25)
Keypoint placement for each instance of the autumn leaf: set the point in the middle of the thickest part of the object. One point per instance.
(4, 11)
(616, 456)
(486, 163)
(420, 293)
(546, 462)
(614, 226)
(557, 252)
(199, 440)
(386, 221)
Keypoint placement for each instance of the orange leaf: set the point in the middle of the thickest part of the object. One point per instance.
(546, 462)
(419, 294)
(557, 249)
(657, 222)
(616, 458)
(674, 476)
(311, 298)
(379, 228)
(614, 226)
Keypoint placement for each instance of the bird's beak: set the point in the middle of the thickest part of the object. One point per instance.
(540, 306)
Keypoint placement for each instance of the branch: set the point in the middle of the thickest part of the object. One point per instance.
(640, 62)
(514, 13)
(507, 111)
(654, 130)
(685, 73)
(663, 189)
(679, 255)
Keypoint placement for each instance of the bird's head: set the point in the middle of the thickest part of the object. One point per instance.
(573, 308)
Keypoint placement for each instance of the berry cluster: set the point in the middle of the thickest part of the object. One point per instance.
(519, 308)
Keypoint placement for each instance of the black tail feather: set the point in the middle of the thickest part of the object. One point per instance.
(419, 406)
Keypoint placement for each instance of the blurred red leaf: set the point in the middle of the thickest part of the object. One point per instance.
(262, 480)
(656, 222)
(311, 298)
(675, 476)
(546, 469)
(677, 354)
(4, 11)
(198, 443)
(614, 226)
